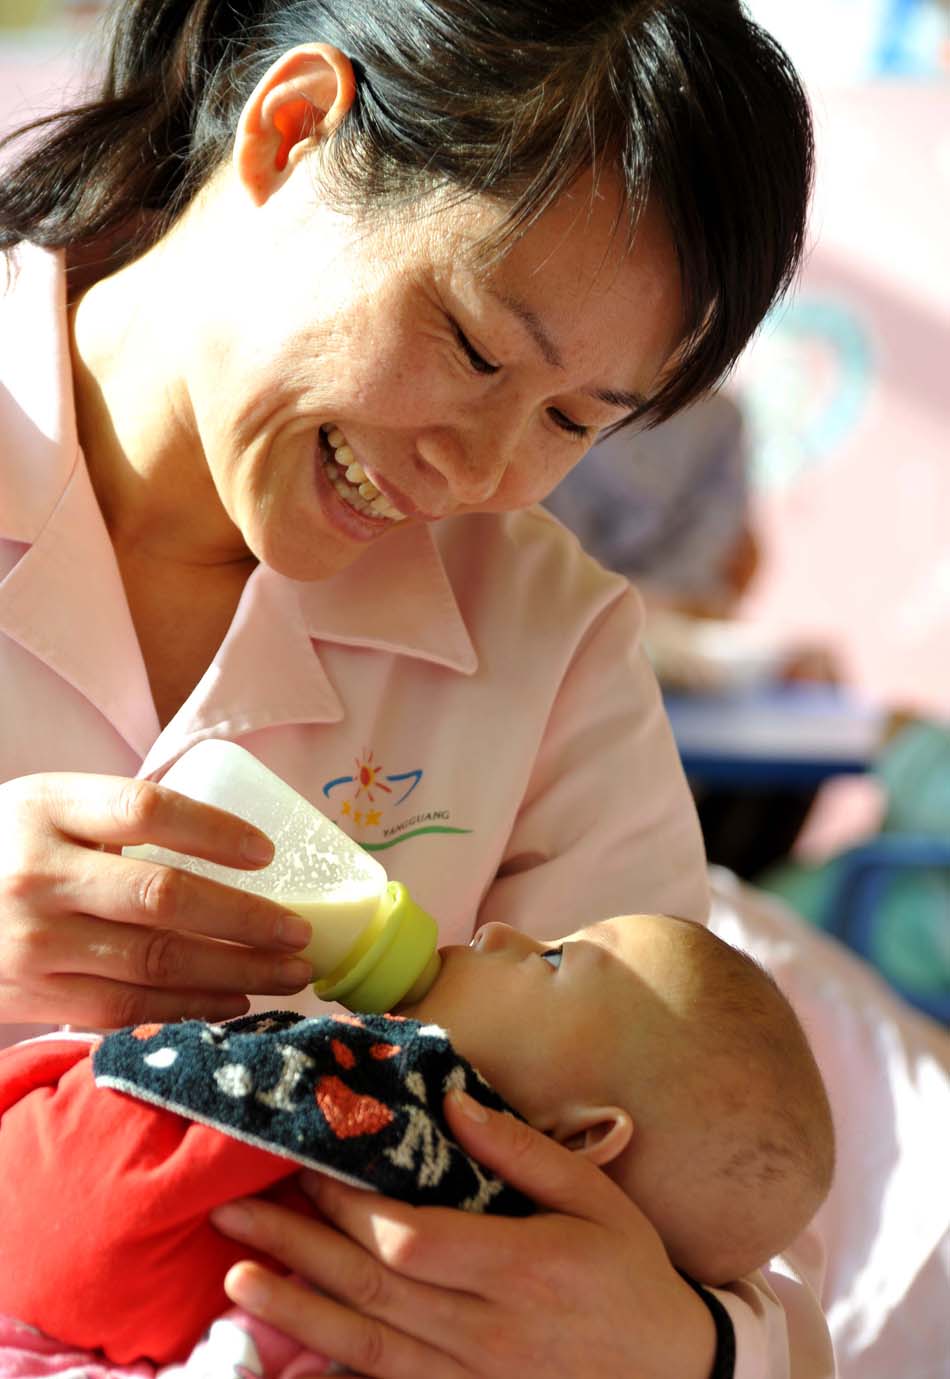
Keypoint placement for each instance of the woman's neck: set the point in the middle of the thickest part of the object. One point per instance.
(131, 335)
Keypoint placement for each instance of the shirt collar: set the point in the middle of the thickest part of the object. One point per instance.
(397, 597)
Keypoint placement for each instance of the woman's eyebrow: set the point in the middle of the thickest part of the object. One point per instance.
(618, 397)
(532, 323)
(551, 354)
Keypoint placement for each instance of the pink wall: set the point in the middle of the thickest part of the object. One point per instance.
(36, 72)
(849, 398)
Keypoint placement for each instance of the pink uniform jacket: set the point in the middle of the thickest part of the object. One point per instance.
(469, 700)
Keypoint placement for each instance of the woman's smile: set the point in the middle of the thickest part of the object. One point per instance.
(350, 480)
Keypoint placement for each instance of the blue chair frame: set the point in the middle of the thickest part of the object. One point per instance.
(854, 905)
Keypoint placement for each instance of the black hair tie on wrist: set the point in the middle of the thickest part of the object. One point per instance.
(724, 1365)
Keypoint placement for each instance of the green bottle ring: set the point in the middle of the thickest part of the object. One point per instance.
(395, 951)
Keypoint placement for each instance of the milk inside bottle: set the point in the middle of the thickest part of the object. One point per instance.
(372, 946)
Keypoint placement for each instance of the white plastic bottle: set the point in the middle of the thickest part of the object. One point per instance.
(372, 946)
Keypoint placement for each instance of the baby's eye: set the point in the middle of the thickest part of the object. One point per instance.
(552, 956)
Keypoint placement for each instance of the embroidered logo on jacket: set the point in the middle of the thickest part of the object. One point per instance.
(369, 797)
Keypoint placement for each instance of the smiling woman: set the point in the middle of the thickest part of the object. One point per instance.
(307, 308)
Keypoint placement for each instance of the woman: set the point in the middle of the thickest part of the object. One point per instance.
(326, 295)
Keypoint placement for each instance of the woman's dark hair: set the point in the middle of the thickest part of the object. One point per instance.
(688, 99)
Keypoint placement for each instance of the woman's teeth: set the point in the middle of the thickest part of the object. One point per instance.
(350, 479)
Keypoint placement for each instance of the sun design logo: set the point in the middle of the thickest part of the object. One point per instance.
(368, 797)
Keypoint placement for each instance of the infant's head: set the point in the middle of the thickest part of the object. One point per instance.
(668, 1057)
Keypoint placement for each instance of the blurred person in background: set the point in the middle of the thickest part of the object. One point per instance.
(670, 509)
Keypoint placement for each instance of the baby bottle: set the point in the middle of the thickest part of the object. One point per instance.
(372, 946)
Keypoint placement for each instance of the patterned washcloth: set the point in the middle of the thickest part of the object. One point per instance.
(359, 1097)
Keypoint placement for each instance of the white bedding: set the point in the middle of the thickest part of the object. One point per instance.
(886, 1225)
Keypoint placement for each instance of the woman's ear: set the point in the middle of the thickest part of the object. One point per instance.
(600, 1133)
(299, 101)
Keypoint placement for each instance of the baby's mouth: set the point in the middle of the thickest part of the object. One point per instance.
(349, 479)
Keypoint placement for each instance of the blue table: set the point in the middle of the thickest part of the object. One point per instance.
(787, 735)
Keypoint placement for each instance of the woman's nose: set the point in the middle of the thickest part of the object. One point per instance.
(472, 467)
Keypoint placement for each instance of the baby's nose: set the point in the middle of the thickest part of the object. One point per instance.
(493, 937)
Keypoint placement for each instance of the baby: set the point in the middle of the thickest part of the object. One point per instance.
(644, 1042)
(669, 1058)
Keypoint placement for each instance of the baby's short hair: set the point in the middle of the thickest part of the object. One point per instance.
(733, 1150)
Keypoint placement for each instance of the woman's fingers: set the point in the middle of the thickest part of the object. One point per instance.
(442, 1247)
(467, 1251)
(356, 1312)
(335, 1265)
(123, 812)
(97, 1003)
(147, 893)
(542, 1169)
(151, 956)
(365, 1345)
(91, 937)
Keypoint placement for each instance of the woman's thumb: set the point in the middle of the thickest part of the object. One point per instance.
(542, 1169)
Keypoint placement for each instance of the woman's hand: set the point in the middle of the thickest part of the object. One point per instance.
(91, 938)
(582, 1289)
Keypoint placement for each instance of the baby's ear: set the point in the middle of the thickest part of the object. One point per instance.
(600, 1133)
